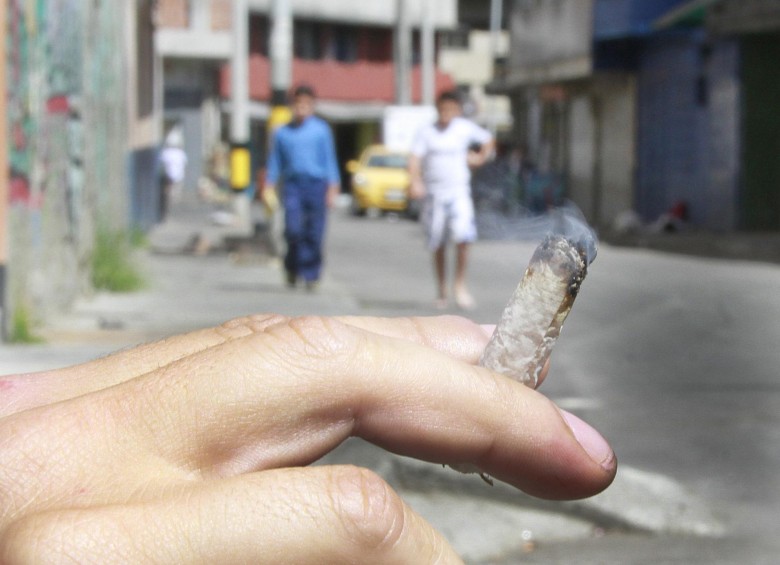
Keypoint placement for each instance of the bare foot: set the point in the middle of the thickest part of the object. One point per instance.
(464, 300)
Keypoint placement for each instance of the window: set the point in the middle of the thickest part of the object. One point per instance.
(307, 40)
(344, 44)
(389, 161)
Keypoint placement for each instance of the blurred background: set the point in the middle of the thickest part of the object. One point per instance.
(639, 111)
(658, 119)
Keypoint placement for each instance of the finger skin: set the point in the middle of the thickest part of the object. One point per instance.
(227, 410)
(317, 515)
(452, 334)
(152, 455)
(104, 442)
(22, 392)
(285, 396)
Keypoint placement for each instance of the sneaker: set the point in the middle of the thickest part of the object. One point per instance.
(464, 300)
(311, 286)
(291, 279)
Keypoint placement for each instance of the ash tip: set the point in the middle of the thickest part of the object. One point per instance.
(571, 225)
(588, 249)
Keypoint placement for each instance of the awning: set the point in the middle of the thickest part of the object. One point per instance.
(687, 14)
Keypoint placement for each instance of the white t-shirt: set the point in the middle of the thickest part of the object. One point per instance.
(444, 153)
(174, 161)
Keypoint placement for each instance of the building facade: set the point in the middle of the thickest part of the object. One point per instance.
(652, 105)
(342, 48)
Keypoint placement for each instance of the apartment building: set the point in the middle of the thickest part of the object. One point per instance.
(345, 49)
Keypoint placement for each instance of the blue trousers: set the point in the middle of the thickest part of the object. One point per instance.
(305, 212)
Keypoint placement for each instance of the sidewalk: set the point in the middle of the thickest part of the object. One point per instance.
(199, 274)
(741, 246)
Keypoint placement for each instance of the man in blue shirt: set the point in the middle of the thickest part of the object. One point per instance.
(303, 160)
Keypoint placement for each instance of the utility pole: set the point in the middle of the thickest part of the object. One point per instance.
(428, 47)
(496, 15)
(403, 54)
(240, 158)
(281, 51)
(3, 178)
(281, 55)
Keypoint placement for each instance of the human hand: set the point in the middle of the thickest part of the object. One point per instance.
(475, 159)
(270, 199)
(332, 194)
(416, 189)
(194, 449)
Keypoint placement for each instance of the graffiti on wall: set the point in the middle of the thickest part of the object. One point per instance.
(44, 77)
(66, 111)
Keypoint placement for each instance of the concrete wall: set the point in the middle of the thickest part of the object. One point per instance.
(550, 40)
(602, 147)
(617, 152)
(725, 129)
(200, 29)
(582, 154)
(445, 12)
(473, 67)
(67, 123)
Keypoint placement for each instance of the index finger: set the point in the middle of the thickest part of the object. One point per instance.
(287, 396)
(454, 335)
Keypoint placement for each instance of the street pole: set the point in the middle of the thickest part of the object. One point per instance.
(281, 56)
(281, 52)
(496, 15)
(427, 32)
(240, 161)
(3, 178)
(403, 54)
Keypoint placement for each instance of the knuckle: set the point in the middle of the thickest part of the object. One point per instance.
(320, 337)
(256, 323)
(371, 514)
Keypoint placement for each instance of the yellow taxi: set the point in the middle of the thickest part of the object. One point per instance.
(380, 180)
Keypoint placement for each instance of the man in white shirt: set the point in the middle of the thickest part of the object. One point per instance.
(443, 155)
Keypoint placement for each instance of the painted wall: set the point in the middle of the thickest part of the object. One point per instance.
(628, 18)
(67, 132)
(688, 128)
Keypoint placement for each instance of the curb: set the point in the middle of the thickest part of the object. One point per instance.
(637, 501)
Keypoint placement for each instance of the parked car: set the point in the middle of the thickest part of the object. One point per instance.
(380, 181)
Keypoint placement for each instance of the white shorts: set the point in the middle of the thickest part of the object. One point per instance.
(448, 220)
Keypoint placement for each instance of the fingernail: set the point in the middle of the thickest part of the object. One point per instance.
(591, 441)
(488, 329)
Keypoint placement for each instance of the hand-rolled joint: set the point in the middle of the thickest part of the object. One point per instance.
(533, 318)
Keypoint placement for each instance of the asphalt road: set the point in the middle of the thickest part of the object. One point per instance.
(673, 358)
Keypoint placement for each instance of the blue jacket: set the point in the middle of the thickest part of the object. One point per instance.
(303, 150)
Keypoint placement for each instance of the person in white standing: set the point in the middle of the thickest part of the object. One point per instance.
(442, 157)
(174, 166)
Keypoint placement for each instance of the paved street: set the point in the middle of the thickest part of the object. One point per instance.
(673, 358)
